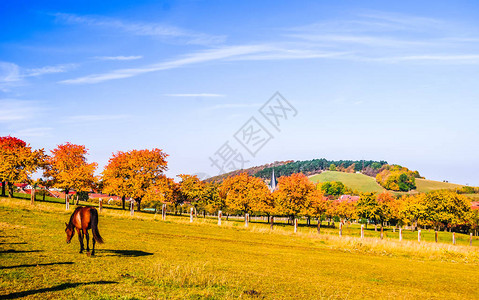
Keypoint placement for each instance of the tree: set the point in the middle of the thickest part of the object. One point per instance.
(164, 191)
(68, 168)
(131, 174)
(367, 207)
(317, 205)
(397, 178)
(294, 193)
(332, 167)
(413, 209)
(17, 162)
(191, 189)
(447, 208)
(213, 202)
(245, 193)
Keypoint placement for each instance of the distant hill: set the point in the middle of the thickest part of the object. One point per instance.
(250, 171)
(363, 183)
(355, 181)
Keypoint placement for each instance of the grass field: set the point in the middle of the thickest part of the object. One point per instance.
(144, 257)
(364, 183)
(355, 181)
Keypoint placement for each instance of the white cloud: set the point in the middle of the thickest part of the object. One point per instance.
(194, 95)
(143, 28)
(16, 110)
(120, 57)
(94, 118)
(198, 57)
(33, 132)
(49, 70)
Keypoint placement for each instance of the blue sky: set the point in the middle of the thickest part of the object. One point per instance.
(368, 79)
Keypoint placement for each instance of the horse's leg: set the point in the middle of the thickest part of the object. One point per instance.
(80, 238)
(93, 246)
(85, 231)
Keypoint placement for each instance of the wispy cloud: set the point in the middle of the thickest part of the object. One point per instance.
(9, 75)
(120, 57)
(198, 57)
(16, 110)
(94, 118)
(33, 132)
(241, 52)
(233, 106)
(195, 95)
(49, 70)
(143, 28)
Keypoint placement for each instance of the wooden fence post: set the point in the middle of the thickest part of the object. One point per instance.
(295, 225)
(272, 222)
(340, 229)
(470, 239)
(132, 207)
(382, 233)
(100, 205)
(163, 212)
(362, 231)
(246, 220)
(419, 235)
(191, 215)
(400, 234)
(435, 236)
(220, 214)
(453, 238)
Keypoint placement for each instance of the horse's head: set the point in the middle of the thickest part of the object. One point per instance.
(70, 232)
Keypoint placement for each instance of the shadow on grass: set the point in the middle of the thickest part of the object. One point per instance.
(38, 265)
(125, 253)
(59, 287)
(22, 243)
(19, 251)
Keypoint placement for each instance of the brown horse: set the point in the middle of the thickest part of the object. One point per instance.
(82, 219)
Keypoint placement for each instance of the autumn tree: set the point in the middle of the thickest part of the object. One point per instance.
(164, 191)
(68, 169)
(132, 173)
(447, 208)
(17, 162)
(413, 209)
(191, 189)
(245, 193)
(213, 202)
(293, 195)
(316, 206)
(367, 207)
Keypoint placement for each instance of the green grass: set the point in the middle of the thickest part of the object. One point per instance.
(355, 181)
(363, 183)
(424, 185)
(144, 257)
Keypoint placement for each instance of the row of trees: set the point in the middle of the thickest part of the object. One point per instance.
(368, 167)
(139, 174)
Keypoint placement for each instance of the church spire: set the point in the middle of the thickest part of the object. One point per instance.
(273, 183)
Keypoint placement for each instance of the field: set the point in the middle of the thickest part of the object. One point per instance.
(144, 257)
(364, 183)
(355, 181)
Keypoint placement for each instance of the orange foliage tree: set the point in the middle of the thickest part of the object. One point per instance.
(131, 174)
(164, 191)
(245, 193)
(17, 162)
(68, 169)
(294, 194)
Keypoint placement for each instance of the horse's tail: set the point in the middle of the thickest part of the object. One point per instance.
(94, 226)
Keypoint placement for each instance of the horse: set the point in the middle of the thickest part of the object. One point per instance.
(81, 220)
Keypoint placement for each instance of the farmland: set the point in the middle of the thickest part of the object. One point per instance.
(144, 257)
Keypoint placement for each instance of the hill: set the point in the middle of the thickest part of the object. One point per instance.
(356, 181)
(363, 183)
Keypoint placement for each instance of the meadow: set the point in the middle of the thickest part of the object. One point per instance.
(147, 258)
(363, 183)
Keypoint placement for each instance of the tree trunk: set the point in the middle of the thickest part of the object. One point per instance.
(271, 222)
(139, 204)
(3, 188)
(44, 194)
(319, 225)
(204, 214)
(123, 201)
(10, 190)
